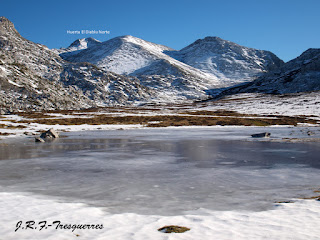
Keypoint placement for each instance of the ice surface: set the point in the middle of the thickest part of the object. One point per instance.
(163, 171)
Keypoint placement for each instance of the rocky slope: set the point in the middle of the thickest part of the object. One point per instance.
(77, 46)
(35, 77)
(227, 60)
(87, 73)
(209, 62)
(147, 61)
(301, 74)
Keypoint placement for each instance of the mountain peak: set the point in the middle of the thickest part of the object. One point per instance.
(129, 38)
(215, 39)
(7, 24)
(84, 42)
(310, 53)
(126, 37)
(211, 40)
(5, 20)
(226, 59)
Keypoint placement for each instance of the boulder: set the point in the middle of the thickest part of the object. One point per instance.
(261, 135)
(51, 133)
(39, 139)
(47, 136)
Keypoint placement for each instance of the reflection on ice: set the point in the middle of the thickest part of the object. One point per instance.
(163, 172)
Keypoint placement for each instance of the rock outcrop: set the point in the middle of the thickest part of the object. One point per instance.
(35, 77)
(261, 135)
(47, 136)
(301, 74)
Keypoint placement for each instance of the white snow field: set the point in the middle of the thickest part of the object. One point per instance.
(297, 104)
(291, 221)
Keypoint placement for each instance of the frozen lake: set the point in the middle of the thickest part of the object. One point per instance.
(163, 171)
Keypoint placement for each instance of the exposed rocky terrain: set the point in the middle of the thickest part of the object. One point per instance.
(207, 63)
(227, 60)
(77, 46)
(130, 71)
(35, 77)
(128, 55)
(301, 74)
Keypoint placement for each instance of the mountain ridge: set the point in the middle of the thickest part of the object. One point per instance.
(145, 60)
(301, 74)
(34, 77)
(226, 59)
(158, 66)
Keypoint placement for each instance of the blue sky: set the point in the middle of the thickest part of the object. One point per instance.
(285, 27)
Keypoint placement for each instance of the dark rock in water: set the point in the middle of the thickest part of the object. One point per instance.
(289, 201)
(173, 229)
(261, 135)
(39, 139)
(310, 133)
(51, 133)
(48, 135)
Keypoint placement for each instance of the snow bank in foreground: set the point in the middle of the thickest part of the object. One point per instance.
(292, 221)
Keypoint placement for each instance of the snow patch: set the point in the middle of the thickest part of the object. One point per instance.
(297, 221)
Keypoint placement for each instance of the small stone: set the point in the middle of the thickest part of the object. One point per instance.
(310, 133)
(173, 229)
(289, 201)
(261, 135)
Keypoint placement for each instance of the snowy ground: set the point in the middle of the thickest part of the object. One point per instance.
(291, 221)
(264, 104)
(261, 105)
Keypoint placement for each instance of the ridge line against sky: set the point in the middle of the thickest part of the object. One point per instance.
(284, 27)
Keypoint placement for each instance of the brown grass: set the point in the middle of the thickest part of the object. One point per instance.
(313, 197)
(174, 120)
(11, 126)
(219, 113)
(5, 134)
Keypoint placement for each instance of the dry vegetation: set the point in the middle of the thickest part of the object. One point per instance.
(173, 229)
(200, 119)
(11, 126)
(152, 116)
(5, 134)
(219, 113)
(317, 197)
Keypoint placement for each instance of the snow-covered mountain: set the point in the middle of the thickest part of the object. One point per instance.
(227, 60)
(179, 74)
(147, 61)
(122, 55)
(35, 77)
(301, 74)
(77, 46)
